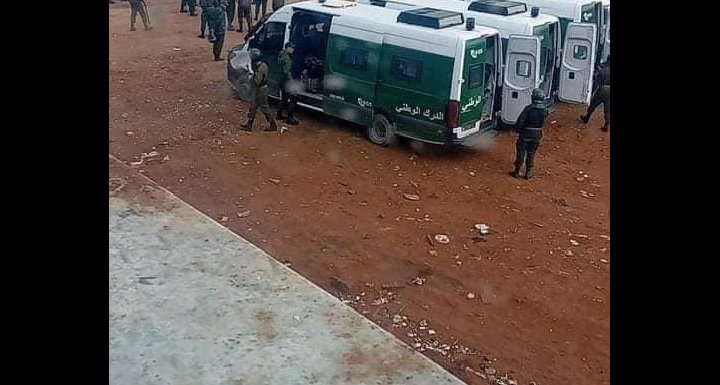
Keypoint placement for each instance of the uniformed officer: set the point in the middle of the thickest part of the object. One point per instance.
(259, 90)
(287, 91)
(190, 4)
(529, 127)
(205, 5)
(139, 6)
(258, 4)
(216, 19)
(277, 4)
(230, 10)
(601, 96)
(244, 12)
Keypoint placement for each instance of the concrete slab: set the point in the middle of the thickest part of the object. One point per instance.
(192, 303)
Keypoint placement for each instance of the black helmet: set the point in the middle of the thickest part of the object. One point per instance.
(254, 54)
(538, 95)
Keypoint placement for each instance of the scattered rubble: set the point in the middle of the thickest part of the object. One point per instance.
(442, 238)
(411, 197)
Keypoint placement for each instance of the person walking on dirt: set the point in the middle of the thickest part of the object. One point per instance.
(287, 93)
(277, 4)
(244, 12)
(216, 19)
(230, 9)
(139, 6)
(529, 127)
(205, 5)
(259, 89)
(258, 4)
(601, 96)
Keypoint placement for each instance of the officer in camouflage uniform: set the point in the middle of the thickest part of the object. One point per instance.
(244, 12)
(529, 127)
(205, 5)
(601, 96)
(259, 99)
(287, 93)
(139, 6)
(230, 10)
(277, 4)
(216, 22)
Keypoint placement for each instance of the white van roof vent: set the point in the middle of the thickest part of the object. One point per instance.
(337, 3)
(431, 18)
(498, 7)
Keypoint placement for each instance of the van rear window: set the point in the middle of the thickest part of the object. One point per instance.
(475, 75)
(406, 69)
(523, 68)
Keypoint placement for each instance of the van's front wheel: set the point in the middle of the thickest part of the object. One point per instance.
(382, 132)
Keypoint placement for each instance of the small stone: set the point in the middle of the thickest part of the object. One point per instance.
(603, 260)
(574, 242)
(470, 295)
(296, 318)
(605, 237)
(396, 168)
(243, 214)
(274, 180)
(176, 49)
(490, 371)
(434, 253)
(223, 219)
(482, 228)
(417, 345)
(442, 238)
(166, 158)
(411, 197)
(568, 253)
(130, 133)
(397, 318)
(472, 173)
(431, 332)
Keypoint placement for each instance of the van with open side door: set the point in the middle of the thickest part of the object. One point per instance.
(421, 73)
(530, 61)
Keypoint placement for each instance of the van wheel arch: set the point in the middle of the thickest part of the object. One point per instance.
(382, 130)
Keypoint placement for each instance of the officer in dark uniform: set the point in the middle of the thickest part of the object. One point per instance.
(230, 10)
(190, 4)
(287, 91)
(205, 5)
(259, 87)
(244, 12)
(139, 6)
(277, 4)
(601, 96)
(529, 127)
(216, 22)
(258, 4)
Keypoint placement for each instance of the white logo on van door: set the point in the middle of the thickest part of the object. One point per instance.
(474, 53)
(364, 103)
(470, 104)
(415, 111)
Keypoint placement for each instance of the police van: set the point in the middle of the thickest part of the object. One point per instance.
(423, 73)
(530, 62)
(606, 29)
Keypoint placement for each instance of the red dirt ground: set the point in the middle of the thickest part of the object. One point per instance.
(330, 203)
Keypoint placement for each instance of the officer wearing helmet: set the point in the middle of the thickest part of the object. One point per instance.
(529, 127)
(259, 93)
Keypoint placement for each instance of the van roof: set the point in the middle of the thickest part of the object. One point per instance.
(372, 17)
(517, 23)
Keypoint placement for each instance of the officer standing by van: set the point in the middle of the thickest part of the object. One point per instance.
(230, 10)
(529, 127)
(601, 96)
(216, 22)
(287, 90)
(244, 12)
(259, 88)
(277, 4)
(205, 5)
(258, 4)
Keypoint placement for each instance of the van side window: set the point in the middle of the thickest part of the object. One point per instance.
(270, 38)
(475, 75)
(580, 52)
(406, 69)
(523, 68)
(355, 58)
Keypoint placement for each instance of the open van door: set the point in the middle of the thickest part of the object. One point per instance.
(522, 75)
(576, 73)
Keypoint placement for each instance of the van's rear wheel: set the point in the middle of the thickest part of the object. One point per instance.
(382, 132)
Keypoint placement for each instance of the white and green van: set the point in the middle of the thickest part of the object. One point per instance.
(421, 73)
(531, 61)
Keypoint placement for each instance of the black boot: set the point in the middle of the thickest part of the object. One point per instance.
(528, 173)
(273, 127)
(585, 119)
(516, 172)
(247, 126)
(291, 120)
(201, 35)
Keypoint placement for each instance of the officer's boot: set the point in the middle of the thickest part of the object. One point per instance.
(516, 172)
(291, 114)
(528, 173)
(273, 126)
(585, 118)
(247, 126)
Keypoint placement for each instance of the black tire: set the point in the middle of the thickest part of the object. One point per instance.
(382, 132)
